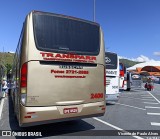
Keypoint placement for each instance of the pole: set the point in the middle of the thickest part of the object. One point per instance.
(94, 10)
(3, 57)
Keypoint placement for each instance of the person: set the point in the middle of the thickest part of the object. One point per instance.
(150, 84)
(4, 87)
(146, 85)
(149, 80)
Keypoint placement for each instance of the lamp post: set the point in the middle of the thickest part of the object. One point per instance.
(94, 10)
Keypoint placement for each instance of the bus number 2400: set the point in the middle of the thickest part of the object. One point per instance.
(96, 95)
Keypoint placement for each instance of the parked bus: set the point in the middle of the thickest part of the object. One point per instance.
(132, 81)
(58, 70)
(122, 74)
(112, 76)
(127, 81)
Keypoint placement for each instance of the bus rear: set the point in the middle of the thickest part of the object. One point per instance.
(136, 81)
(122, 74)
(112, 76)
(62, 73)
(133, 81)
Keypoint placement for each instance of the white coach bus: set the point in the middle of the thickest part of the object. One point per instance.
(112, 76)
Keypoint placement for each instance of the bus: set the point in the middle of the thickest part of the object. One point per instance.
(112, 76)
(127, 81)
(58, 70)
(122, 75)
(132, 81)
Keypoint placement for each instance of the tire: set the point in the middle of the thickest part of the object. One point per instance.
(128, 89)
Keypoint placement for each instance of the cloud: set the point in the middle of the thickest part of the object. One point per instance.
(156, 53)
(122, 57)
(141, 58)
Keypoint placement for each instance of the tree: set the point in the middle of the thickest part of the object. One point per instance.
(8, 68)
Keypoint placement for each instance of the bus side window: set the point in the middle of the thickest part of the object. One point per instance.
(124, 69)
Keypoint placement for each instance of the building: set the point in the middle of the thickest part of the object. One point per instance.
(147, 68)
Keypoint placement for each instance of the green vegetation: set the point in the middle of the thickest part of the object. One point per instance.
(128, 63)
(6, 59)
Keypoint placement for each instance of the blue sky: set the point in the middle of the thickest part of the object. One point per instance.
(131, 27)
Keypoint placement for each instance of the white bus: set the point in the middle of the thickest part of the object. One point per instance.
(58, 70)
(112, 76)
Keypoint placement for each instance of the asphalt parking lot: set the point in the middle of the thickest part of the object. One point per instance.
(136, 110)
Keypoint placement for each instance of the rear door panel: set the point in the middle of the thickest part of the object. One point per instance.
(53, 85)
(112, 84)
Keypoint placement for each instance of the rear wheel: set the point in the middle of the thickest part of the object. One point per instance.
(128, 89)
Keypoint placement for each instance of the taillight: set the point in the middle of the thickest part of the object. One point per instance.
(23, 90)
(123, 84)
(24, 75)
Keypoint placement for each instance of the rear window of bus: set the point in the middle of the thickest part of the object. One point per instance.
(60, 34)
(136, 77)
(111, 60)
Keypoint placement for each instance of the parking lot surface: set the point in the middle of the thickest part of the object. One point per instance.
(136, 111)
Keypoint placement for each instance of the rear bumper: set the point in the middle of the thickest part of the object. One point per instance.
(121, 90)
(112, 97)
(31, 116)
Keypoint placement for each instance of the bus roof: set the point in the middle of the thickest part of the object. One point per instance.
(65, 16)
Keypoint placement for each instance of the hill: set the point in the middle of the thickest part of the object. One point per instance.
(128, 63)
(6, 58)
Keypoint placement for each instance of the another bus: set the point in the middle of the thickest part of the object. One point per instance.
(122, 74)
(58, 70)
(112, 76)
(133, 81)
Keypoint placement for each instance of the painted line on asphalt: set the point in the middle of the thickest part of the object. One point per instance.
(115, 127)
(131, 98)
(150, 107)
(135, 93)
(145, 95)
(154, 97)
(2, 122)
(148, 99)
(155, 124)
(1, 106)
(150, 103)
(153, 113)
(129, 106)
(157, 94)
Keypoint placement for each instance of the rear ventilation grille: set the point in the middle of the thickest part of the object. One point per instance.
(68, 63)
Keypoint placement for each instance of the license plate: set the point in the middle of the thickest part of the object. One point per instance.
(70, 110)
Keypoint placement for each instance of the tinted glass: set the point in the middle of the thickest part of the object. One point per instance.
(58, 33)
(120, 67)
(111, 60)
(135, 76)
